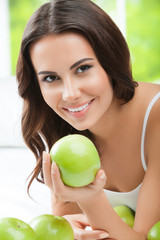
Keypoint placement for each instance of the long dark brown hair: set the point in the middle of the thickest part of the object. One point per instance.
(41, 126)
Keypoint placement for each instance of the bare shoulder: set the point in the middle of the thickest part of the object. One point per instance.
(146, 92)
(146, 214)
(152, 141)
(148, 89)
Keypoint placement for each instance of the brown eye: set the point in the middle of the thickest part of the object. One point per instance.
(50, 78)
(83, 68)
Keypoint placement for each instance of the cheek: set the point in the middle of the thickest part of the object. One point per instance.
(101, 84)
(49, 96)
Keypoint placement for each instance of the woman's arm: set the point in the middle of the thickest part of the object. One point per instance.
(61, 208)
(101, 215)
(94, 203)
(148, 207)
(69, 209)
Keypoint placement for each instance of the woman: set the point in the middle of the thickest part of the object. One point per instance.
(74, 75)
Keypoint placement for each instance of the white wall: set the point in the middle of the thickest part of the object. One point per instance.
(121, 16)
(5, 62)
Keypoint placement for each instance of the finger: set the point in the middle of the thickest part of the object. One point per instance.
(46, 164)
(90, 234)
(96, 234)
(57, 183)
(100, 179)
(64, 192)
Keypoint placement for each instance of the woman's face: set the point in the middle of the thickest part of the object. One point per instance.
(72, 81)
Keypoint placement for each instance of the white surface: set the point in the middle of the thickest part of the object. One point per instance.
(10, 113)
(15, 166)
(16, 161)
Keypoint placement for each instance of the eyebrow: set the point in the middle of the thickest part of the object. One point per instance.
(46, 72)
(73, 66)
(79, 62)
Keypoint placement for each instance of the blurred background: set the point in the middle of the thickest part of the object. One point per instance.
(139, 20)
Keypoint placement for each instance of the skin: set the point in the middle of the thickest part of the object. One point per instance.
(69, 90)
(80, 79)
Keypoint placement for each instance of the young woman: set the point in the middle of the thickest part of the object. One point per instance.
(74, 75)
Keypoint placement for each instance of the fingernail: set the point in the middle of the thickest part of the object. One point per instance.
(45, 159)
(104, 235)
(102, 175)
(53, 168)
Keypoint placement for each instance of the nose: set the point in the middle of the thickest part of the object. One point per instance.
(71, 91)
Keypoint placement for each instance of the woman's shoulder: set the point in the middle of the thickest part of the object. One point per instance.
(151, 93)
(147, 97)
(145, 93)
(148, 88)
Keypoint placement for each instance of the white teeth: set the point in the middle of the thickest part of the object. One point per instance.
(78, 109)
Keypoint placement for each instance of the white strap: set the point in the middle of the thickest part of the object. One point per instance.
(144, 129)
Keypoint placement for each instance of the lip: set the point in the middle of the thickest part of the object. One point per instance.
(80, 113)
(78, 105)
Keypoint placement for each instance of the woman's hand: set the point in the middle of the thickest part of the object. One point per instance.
(79, 224)
(65, 193)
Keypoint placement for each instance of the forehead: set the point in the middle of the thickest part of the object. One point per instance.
(64, 44)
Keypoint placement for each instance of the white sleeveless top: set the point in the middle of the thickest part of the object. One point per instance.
(130, 198)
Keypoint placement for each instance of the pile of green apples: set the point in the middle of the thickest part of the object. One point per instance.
(42, 227)
(50, 227)
(78, 161)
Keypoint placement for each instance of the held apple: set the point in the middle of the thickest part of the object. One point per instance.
(50, 227)
(154, 233)
(126, 214)
(15, 229)
(77, 159)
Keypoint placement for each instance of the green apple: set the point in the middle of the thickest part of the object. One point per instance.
(126, 214)
(77, 159)
(50, 227)
(154, 233)
(15, 229)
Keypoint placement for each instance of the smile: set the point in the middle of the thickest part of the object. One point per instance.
(79, 108)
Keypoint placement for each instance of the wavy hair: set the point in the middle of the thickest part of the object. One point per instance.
(41, 126)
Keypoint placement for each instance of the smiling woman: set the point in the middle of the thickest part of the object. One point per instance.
(74, 75)
(78, 85)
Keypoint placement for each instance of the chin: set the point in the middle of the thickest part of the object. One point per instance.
(81, 127)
